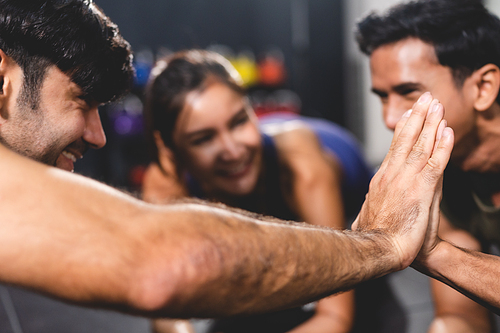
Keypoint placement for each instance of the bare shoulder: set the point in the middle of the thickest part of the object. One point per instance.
(160, 187)
(292, 135)
(300, 150)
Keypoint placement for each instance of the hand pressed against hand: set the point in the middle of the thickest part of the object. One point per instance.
(431, 240)
(408, 182)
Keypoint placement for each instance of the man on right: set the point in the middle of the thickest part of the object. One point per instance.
(452, 49)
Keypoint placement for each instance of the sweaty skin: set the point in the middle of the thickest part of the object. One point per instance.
(79, 240)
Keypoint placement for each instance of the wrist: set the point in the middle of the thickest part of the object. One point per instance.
(389, 251)
(435, 262)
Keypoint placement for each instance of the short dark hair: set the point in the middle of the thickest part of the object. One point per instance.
(73, 35)
(465, 36)
(172, 79)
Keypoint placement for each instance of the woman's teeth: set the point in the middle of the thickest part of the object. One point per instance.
(238, 169)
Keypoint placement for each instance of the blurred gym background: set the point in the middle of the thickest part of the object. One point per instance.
(294, 55)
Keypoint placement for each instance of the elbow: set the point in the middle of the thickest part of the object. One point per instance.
(152, 292)
(152, 280)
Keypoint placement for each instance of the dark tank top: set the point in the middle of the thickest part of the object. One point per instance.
(467, 204)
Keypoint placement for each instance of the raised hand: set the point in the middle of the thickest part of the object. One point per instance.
(408, 182)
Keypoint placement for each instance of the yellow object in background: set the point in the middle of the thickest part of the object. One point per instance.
(245, 64)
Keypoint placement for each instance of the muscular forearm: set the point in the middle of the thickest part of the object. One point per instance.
(82, 241)
(273, 266)
(85, 242)
(473, 273)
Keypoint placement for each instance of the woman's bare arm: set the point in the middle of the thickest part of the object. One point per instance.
(316, 197)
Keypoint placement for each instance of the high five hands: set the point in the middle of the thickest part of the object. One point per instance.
(403, 201)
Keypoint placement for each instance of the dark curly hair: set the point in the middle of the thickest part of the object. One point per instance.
(73, 35)
(465, 36)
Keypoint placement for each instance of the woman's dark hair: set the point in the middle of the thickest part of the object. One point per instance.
(73, 35)
(172, 79)
(465, 36)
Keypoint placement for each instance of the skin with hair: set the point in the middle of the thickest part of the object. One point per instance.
(202, 123)
(78, 240)
(69, 75)
(98, 247)
(400, 72)
(216, 134)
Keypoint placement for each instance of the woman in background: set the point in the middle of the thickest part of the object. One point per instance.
(209, 144)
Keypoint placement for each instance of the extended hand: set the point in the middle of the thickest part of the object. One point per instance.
(408, 182)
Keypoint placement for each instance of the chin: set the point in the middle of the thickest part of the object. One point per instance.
(239, 191)
(241, 187)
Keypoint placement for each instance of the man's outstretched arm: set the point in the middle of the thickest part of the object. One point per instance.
(472, 273)
(84, 242)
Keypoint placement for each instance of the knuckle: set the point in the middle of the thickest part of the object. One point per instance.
(398, 150)
(432, 172)
(416, 155)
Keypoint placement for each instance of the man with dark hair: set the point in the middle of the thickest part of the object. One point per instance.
(73, 41)
(452, 49)
(81, 241)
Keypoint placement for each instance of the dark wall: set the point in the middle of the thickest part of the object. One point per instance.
(315, 70)
(312, 52)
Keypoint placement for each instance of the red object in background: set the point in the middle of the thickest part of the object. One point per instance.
(136, 175)
(283, 100)
(271, 71)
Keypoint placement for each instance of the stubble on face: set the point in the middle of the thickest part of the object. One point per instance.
(27, 130)
(25, 136)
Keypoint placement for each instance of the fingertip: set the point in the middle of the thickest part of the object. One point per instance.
(442, 125)
(435, 107)
(439, 134)
(425, 98)
(354, 226)
(407, 113)
(447, 140)
(448, 133)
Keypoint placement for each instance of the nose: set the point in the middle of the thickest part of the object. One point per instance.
(230, 149)
(393, 110)
(94, 133)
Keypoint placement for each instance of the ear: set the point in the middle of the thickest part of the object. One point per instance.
(9, 72)
(487, 82)
(166, 156)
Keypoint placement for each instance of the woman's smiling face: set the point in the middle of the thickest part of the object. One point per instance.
(218, 141)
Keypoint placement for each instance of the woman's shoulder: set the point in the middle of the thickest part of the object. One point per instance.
(159, 187)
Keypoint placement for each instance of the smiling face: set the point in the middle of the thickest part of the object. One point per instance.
(60, 130)
(404, 70)
(218, 141)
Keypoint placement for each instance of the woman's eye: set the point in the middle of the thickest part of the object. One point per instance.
(201, 140)
(240, 120)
